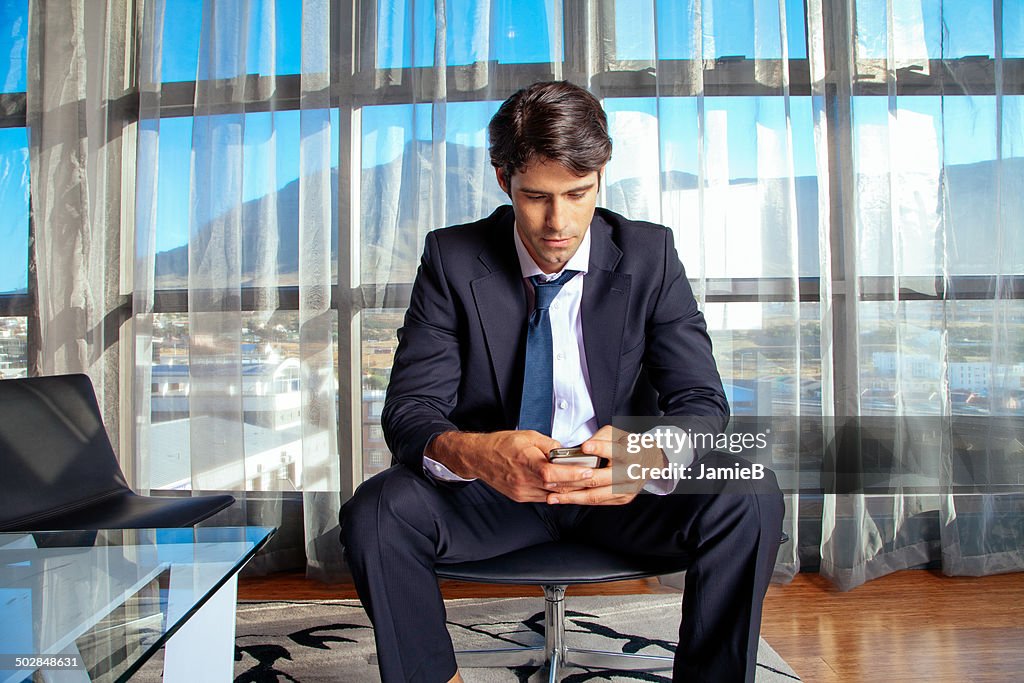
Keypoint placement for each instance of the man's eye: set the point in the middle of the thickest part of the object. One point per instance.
(577, 195)
(536, 197)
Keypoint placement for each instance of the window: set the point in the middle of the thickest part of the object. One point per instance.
(271, 173)
(746, 70)
(14, 189)
(270, 398)
(13, 46)
(181, 39)
(394, 126)
(14, 192)
(520, 32)
(13, 347)
(729, 30)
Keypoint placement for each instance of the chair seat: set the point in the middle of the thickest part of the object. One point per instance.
(128, 510)
(559, 563)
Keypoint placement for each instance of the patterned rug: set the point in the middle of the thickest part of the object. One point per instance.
(330, 640)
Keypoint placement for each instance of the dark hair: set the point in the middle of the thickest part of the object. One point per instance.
(558, 121)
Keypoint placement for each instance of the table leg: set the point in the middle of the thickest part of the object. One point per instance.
(203, 649)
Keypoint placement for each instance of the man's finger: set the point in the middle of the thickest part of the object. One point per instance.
(552, 473)
(605, 476)
(601, 477)
(542, 441)
(599, 447)
(606, 442)
(603, 495)
(530, 496)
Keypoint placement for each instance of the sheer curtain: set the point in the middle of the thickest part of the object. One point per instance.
(75, 148)
(251, 390)
(853, 182)
(76, 60)
(720, 169)
(843, 181)
(933, 189)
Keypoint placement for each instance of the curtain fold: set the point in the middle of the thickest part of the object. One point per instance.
(982, 533)
(150, 17)
(76, 146)
(317, 324)
(75, 58)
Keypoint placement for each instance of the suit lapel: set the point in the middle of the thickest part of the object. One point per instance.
(604, 307)
(501, 305)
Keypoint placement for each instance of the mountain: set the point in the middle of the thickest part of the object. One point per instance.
(976, 207)
(391, 231)
(258, 217)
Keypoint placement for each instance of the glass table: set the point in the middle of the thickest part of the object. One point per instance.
(95, 605)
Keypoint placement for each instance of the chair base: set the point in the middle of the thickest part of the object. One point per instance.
(555, 654)
(534, 656)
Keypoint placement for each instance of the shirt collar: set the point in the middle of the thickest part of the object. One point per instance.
(580, 260)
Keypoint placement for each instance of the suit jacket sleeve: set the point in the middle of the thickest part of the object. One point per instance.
(426, 372)
(678, 357)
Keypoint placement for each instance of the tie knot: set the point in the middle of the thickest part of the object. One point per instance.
(547, 291)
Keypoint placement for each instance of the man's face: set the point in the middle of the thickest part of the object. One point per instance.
(553, 208)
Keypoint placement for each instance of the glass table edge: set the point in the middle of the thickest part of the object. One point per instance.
(133, 668)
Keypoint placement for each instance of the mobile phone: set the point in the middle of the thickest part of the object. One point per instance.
(575, 456)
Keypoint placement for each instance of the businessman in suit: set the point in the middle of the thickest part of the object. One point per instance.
(528, 330)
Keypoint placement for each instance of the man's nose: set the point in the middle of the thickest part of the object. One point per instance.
(557, 214)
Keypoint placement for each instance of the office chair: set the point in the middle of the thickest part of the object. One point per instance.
(555, 566)
(60, 472)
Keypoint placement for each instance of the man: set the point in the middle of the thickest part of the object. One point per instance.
(528, 330)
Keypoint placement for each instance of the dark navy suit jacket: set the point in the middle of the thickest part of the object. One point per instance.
(460, 358)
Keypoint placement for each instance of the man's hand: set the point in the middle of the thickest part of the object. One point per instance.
(609, 485)
(514, 463)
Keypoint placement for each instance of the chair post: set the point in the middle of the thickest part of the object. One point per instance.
(554, 623)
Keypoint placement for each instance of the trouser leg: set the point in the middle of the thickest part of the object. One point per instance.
(394, 529)
(729, 531)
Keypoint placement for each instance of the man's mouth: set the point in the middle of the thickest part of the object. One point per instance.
(557, 243)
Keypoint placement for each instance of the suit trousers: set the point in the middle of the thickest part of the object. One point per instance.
(400, 523)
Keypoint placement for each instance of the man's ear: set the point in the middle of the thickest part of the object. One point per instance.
(503, 181)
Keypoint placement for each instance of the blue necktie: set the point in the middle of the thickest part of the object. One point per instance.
(536, 409)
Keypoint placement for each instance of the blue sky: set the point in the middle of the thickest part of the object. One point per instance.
(730, 28)
(14, 209)
(183, 27)
(271, 158)
(523, 31)
(520, 31)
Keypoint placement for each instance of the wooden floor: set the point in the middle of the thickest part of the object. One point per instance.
(910, 626)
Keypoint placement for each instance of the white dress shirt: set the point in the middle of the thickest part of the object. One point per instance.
(573, 420)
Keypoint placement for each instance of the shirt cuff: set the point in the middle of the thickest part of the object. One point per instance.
(681, 455)
(434, 469)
